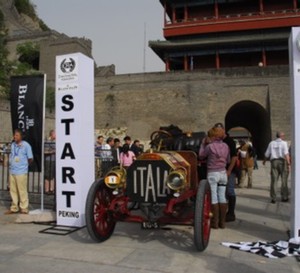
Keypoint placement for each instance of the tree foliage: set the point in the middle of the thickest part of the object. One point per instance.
(29, 53)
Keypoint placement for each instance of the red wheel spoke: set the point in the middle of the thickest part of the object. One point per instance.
(102, 219)
(206, 214)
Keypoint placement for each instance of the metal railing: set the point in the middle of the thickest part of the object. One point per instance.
(104, 161)
(205, 19)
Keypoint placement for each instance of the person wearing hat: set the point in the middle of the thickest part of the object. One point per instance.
(247, 163)
(217, 154)
(231, 196)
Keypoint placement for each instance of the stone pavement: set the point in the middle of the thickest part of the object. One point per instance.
(130, 249)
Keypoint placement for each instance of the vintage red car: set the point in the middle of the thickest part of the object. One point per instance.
(164, 183)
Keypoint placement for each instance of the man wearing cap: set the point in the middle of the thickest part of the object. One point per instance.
(231, 196)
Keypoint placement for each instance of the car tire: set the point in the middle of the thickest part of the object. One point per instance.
(99, 221)
(202, 216)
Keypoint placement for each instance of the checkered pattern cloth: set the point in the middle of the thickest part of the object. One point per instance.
(274, 250)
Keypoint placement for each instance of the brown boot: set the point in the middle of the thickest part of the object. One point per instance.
(215, 217)
(223, 211)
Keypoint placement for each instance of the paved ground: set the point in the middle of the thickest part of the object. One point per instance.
(24, 249)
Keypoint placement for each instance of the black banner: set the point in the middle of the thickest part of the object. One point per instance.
(27, 112)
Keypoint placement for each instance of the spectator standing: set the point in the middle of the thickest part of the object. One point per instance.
(98, 156)
(117, 150)
(50, 148)
(107, 155)
(117, 143)
(231, 196)
(136, 147)
(247, 163)
(218, 156)
(127, 141)
(126, 157)
(20, 158)
(100, 141)
(109, 144)
(278, 153)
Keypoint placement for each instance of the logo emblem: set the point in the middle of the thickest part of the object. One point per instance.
(67, 65)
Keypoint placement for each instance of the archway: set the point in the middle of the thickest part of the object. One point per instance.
(253, 117)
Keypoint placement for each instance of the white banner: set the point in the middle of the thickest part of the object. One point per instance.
(294, 47)
(75, 166)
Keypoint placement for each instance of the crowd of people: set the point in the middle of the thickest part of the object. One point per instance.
(228, 167)
(111, 153)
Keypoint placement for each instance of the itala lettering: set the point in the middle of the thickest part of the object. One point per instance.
(146, 183)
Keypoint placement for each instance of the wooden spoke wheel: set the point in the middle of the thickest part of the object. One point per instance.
(202, 216)
(99, 221)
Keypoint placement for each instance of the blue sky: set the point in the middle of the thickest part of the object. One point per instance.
(116, 28)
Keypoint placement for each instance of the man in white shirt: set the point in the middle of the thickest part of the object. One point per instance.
(278, 153)
(106, 153)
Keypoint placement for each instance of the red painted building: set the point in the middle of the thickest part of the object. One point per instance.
(204, 34)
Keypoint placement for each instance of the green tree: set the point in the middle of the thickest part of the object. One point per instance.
(28, 62)
(29, 53)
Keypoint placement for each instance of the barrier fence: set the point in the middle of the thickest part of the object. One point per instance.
(104, 161)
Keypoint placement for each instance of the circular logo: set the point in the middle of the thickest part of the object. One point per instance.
(67, 65)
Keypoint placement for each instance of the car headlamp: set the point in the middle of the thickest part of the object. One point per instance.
(115, 178)
(177, 179)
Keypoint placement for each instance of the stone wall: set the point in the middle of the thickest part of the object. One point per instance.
(194, 101)
(191, 100)
(51, 48)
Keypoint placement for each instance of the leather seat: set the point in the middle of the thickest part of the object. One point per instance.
(192, 143)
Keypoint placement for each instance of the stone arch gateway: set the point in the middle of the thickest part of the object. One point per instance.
(253, 117)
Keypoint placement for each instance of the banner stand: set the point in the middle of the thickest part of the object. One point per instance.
(74, 113)
(41, 174)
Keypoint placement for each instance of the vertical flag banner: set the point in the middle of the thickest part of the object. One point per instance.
(27, 112)
(75, 160)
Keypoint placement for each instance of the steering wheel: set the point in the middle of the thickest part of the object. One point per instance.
(158, 139)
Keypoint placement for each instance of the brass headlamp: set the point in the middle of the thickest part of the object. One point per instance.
(177, 179)
(115, 178)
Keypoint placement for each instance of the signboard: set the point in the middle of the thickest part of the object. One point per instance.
(294, 48)
(27, 112)
(74, 136)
